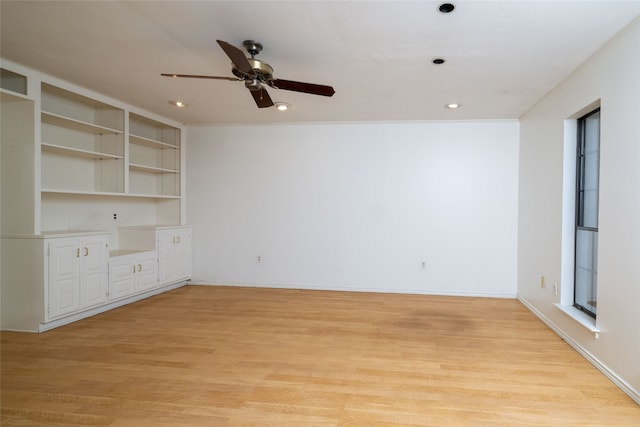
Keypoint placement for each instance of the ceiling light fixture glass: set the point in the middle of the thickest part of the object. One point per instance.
(178, 104)
(452, 106)
(282, 106)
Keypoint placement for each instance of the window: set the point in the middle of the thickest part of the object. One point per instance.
(586, 228)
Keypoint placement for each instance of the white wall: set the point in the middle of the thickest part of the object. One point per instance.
(356, 206)
(613, 77)
(68, 212)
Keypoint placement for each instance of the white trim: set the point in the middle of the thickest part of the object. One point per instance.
(622, 384)
(567, 263)
(582, 318)
(349, 288)
(92, 312)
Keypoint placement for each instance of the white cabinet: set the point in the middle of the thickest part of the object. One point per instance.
(132, 273)
(174, 254)
(77, 276)
(173, 245)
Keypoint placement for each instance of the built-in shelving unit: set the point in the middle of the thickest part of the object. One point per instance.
(78, 168)
(82, 143)
(154, 157)
(72, 158)
(86, 150)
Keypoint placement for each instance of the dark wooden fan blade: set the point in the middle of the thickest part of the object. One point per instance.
(311, 88)
(237, 57)
(192, 76)
(262, 98)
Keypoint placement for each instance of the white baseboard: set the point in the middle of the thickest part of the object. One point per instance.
(196, 282)
(622, 384)
(110, 306)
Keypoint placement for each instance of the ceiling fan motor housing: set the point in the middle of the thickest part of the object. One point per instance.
(262, 70)
(263, 73)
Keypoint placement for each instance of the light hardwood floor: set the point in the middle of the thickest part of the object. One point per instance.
(221, 356)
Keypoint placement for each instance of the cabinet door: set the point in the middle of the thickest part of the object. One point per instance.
(165, 256)
(174, 255)
(122, 280)
(94, 270)
(64, 277)
(182, 255)
(146, 273)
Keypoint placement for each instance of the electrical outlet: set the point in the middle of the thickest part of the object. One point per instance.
(115, 216)
(259, 259)
(542, 284)
(555, 289)
(423, 265)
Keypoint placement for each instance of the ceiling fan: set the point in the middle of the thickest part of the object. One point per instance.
(256, 74)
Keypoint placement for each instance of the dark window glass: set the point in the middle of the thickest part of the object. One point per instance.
(587, 195)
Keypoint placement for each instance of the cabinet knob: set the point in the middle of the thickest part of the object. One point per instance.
(86, 251)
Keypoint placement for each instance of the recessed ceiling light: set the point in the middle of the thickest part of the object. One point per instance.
(282, 106)
(178, 104)
(438, 61)
(446, 7)
(452, 106)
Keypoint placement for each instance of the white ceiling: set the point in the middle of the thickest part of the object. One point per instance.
(502, 56)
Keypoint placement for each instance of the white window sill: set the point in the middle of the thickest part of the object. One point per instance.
(582, 318)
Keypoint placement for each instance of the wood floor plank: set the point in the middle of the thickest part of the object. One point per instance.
(224, 356)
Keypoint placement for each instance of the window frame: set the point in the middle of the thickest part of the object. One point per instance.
(580, 211)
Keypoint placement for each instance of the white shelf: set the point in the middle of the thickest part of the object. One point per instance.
(69, 123)
(154, 158)
(126, 252)
(152, 196)
(80, 192)
(59, 149)
(152, 133)
(153, 143)
(82, 143)
(104, 193)
(150, 169)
